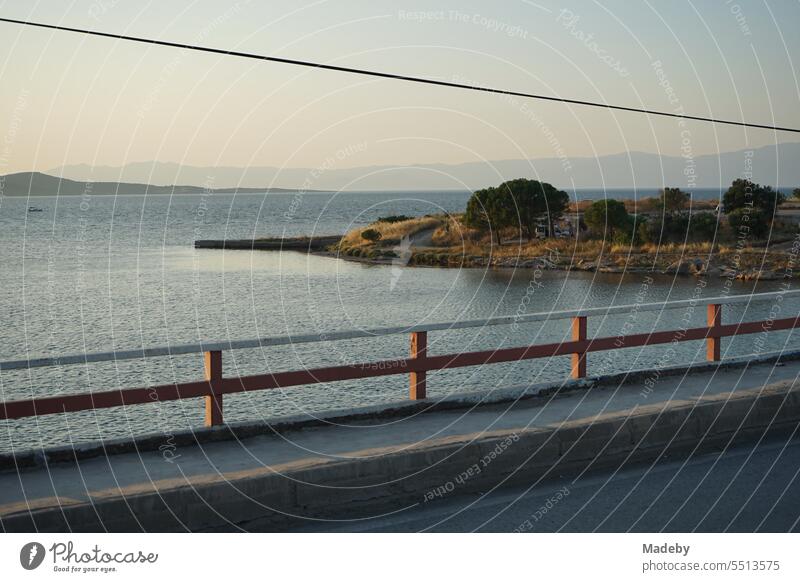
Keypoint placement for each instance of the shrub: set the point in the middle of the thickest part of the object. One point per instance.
(703, 226)
(665, 229)
(394, 218)
(643, 231)
(700, 227)
(371, 235)
(630, 233)
(622, 238)
(748, 223)
(676, 228)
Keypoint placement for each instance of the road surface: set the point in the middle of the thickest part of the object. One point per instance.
(743, 489)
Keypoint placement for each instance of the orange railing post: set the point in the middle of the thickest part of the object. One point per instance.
(419, 349)
(579, 358)
(213, 368)
(714, 343)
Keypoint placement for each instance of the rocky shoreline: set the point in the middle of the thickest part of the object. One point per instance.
(750, 264)
(774, 267)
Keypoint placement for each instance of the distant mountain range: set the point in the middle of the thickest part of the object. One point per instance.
(777, 165)
(39, 184)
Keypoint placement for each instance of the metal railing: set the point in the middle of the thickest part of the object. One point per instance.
(215, 385)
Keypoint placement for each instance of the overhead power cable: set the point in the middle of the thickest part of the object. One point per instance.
(396, 77)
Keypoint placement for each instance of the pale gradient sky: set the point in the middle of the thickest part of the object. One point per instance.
(69, 99)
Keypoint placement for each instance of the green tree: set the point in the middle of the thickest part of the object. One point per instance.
(604, 216)
(556, 202)
(673, 200)
(533, 201)
(746, 195)
(490, 209)
(796, 193)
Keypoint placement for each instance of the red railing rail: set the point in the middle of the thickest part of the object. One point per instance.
(215, 385)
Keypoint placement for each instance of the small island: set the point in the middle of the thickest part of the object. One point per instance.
(751, 234)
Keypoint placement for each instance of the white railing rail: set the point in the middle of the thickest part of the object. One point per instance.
(289, 339)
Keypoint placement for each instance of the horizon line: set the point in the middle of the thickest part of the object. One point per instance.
(414, 164)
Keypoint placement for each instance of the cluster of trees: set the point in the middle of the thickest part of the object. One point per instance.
(750, 208)
(521, 204)
(526, 204)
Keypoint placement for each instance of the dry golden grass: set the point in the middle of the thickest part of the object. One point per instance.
(650, 204)
(538, 248)
(689, 247)
(579, 206)
(392, 230)
(452, 237)
(453, 233)
(641, 205)
(586, 249)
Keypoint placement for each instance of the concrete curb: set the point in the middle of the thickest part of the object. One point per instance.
(37, 458)
(390, 479)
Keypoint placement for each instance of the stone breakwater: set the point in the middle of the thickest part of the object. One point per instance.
(303, 244)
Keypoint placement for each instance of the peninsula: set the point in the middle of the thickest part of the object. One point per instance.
(751, 234)
(39, 184)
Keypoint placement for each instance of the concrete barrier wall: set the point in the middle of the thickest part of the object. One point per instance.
(388, 480)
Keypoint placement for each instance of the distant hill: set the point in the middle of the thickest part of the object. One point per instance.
(777, 165)
(39, 184)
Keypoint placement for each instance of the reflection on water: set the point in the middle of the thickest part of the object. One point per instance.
(122, 273)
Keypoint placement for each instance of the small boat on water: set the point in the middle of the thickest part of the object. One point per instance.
(34, 209)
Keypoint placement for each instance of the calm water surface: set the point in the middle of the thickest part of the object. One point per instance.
(106, 273)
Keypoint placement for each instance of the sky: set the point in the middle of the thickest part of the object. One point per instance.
(68, 99)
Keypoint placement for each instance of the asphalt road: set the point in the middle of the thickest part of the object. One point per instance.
(744, 489)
